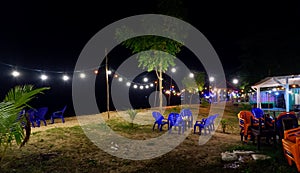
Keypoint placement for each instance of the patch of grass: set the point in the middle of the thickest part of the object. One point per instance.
(68, 149)
(176, 109)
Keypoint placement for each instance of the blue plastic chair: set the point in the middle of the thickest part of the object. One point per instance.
(58, 114)
(257, 112)
(159, 120)
(213, 121)
(187, 113)
(32, 116)
(171, 120)
(201, 125)
(40, 116)
(178, 122)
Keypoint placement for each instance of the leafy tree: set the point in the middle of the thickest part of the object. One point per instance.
(164, 50)
(200, 80)
(194, 85)
(13, 122)
(190, 86)
(159, 59)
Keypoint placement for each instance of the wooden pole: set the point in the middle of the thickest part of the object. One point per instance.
(107, 85)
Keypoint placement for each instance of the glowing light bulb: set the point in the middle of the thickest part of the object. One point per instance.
(82, 75)
(15, 73)
(44, 77)
(65, 77)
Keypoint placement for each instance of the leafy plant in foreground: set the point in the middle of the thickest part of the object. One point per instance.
(12, 120)
(132, 114)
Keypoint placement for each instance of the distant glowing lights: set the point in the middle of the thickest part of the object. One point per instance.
(15, 73)
(145, 79)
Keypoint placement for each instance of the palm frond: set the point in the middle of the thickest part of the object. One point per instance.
(11, 126)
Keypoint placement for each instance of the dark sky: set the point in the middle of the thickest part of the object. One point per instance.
(59, 30)
(50, 35)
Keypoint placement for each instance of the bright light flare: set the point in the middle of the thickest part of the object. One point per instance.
(44, 77)
(65, 77)
(15, 73)
(82, 75)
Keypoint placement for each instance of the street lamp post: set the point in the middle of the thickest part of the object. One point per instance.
(235, 82)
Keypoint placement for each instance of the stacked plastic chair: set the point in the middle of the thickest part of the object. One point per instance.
(291, 145)
(279, 125)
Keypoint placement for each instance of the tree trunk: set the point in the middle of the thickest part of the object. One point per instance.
(160, 90)
(107, 85)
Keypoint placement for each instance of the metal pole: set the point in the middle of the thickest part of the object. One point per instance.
(107, 85)
(287, 98)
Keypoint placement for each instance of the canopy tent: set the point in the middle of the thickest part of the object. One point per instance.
(283, 81)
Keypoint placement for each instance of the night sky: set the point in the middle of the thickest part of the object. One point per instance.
(252, 39)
